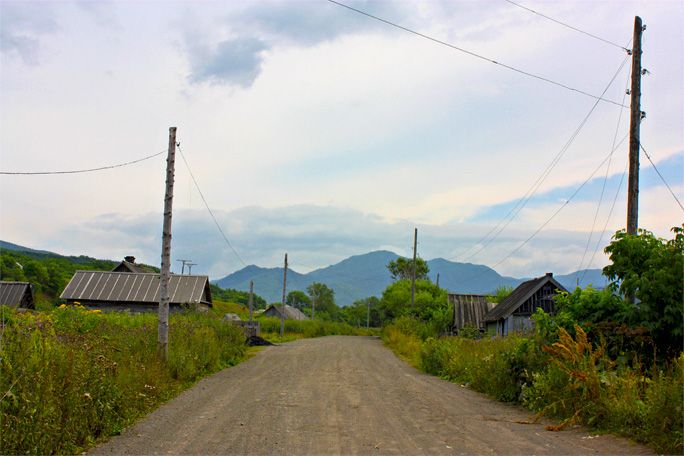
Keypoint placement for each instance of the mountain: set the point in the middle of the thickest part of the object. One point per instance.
(361, 276)
(19, 248)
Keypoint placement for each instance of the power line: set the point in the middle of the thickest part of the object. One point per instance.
(603, 188)
(81, 170)
(568, 26)
(605, 225)
(541, 78)
(208, 208)
(661, 177)
(549, 219)
(540, 180)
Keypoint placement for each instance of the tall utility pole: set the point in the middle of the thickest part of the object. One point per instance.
(251, 299)
(634, 124)
(367, 315)
(313, 302)
(282, 314)
(413, 282)
(163, 330)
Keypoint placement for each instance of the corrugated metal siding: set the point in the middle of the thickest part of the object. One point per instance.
(127, 287)
(14, 294)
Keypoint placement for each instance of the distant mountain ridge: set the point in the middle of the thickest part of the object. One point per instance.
(361, 276)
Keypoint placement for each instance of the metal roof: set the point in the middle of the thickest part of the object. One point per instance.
(291, 313)
(127, 266)
(14, 294)
(518, 297)
(130, 287)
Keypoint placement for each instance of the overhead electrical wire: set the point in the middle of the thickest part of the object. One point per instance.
(568, 26)
(82, 170)
(603, 189)
(473, 54)
(550, 218)
(208, 208)
(540, 180)
(661, 177)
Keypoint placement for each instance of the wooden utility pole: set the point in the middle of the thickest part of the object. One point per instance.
(251, 299)
(413, 284)
(282, 314)
(634, 140)
(313, 302)
(367, 315)
(438, 280)
(163, 330)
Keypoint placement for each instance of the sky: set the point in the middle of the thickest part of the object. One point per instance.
(317, 131)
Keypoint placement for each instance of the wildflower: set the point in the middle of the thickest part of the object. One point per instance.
(87, 396)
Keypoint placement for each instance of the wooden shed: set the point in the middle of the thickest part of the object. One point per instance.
(470, 309)
(291, 313)
(18, 295)
(514, 312)
(136, 292)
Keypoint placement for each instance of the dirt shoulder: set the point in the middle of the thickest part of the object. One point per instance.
(343, 395)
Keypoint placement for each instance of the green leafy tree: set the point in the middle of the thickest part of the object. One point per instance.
(325, 300)
(358, 313)
(402, 269)
(299, 299)
(502, 292)
(650, 269)
(430, 303)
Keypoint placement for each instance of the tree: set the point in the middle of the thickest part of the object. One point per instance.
(650, 269)
(324, 299)
(298, 299)
(402, 269)
(358, 313)
(430, 303)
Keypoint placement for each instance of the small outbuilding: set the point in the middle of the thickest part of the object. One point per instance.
(18, 295)
(291, 313)
(136, 292)
(470, 309)
(515, 311)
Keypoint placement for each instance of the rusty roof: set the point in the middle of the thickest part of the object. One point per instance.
(130, 287)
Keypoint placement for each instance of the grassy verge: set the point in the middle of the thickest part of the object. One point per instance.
(72, 376)
(294, 329)
(571, 379)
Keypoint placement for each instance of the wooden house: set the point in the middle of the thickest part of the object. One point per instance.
(136, 292)
(18, 295)
(291, 313)
(470, 309)
(513, 312)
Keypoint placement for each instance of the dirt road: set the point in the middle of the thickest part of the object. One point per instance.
(343, 395)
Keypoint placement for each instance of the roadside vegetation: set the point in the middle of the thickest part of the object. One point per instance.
(72, 376)
(600, 361)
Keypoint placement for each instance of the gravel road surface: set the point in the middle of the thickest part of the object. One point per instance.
(343, 395)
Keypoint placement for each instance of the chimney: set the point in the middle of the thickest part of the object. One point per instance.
(130, 259)
(549, 274)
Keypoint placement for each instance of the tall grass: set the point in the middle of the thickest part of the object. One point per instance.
(72, 376)
(301, 329)
(571, 379)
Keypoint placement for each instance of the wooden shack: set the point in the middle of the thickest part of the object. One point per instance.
(470, 309)
(515, 311)
(291, 313)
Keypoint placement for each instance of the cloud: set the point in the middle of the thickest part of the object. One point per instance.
(21, 27)
(236, 61)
